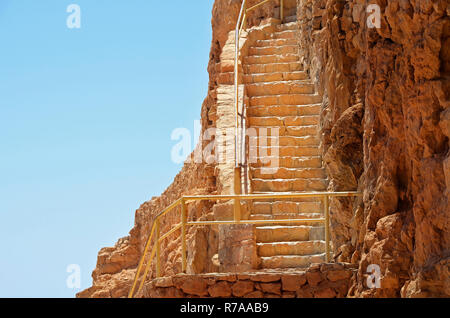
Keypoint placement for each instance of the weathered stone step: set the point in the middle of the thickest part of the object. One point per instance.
(270, 59)
(292, 18)
(273, 50)
(288, 233)
(280, 207)
(301, 199)
(275, 121)
(273, 68)
(288, 25)
(294, 131)
(267, 234)
(276, 42)
(284, 110)
(289, 173)
(282, 87)
(292, 99)
(289, 216)
(287, 185)
(291, 261)
(288, 34)
(275, 77)
(289, 162)
(283, 151)
(294, 216)
(284, 141)
(290, 248)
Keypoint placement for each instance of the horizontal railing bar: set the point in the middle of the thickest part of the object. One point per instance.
(242, 26)
(257, 5)
(176, 228)
(141, 262)
(272, 196)
(169, 208)
(147, 269)
(202, 223)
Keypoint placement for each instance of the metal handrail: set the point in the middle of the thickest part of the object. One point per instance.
(184, 224)
(239, 148)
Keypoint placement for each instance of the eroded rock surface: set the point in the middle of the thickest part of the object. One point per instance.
(385, 132)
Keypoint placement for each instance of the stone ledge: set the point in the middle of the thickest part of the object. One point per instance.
(318, 281)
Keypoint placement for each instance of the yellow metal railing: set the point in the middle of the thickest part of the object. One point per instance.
(155, 231)
(239, 152)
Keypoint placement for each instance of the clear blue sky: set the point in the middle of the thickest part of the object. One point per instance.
(85, 122)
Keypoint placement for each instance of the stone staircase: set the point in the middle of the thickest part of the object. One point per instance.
(280, 95)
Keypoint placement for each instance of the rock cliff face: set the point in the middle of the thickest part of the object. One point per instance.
(385, 129)
(385, 132)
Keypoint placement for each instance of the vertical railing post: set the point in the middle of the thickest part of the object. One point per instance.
(158, 248)
(243, 24)
(281, 10)
(183, 235)
(237, 191)
(326, 208)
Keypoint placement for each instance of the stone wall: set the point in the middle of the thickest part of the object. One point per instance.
(319, 281)
(385, 132)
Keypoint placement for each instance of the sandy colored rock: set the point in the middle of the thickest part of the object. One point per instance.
(313, 278)
(220, 289)
(242, 288)
(192, 285)
(293, 283)
(271, 288)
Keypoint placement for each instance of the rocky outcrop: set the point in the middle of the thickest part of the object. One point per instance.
(385, 132)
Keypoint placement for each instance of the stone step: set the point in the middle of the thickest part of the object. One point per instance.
(292, 18)
(274, 77)
(284, 151)
(288, 34)
(292, 99)
(289, 162)
(283, 141)
(294, 131)
(301, 199)
(273, 50)
(292, 207)
(284, 121)
(293, 216)
(270, 59)
(291, 261)
(288, 25)
(277, 88)
(276, 42)
(290, 248)
(281, 233)
(289, 173)
(287, 185)
(273, 68)
(284, 110)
